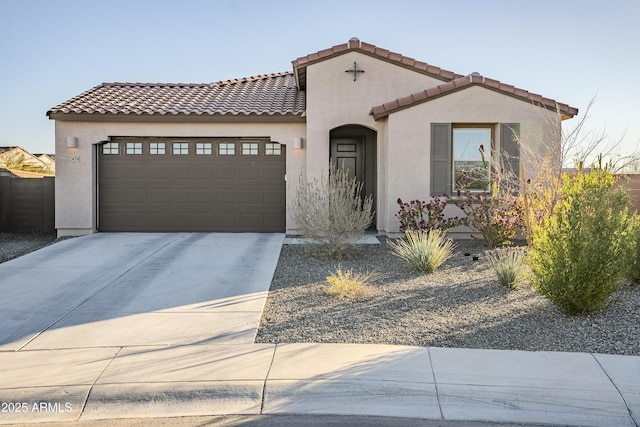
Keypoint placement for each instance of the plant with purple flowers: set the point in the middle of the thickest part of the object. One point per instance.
(497, 213)
(426, 216)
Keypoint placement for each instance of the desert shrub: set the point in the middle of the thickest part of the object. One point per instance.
(347, 284)
(497, 216)
(332, 212)
(426, 216)
(580, 250)
(496, 213)
(509, 266)
(634, 265)
(424, 251)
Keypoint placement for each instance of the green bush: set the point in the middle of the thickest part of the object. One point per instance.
(509, 266)
(634, 264)
(424, 251)
(581, 249)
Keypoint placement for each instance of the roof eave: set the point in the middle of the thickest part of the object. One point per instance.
(380, 111)
(181, 117)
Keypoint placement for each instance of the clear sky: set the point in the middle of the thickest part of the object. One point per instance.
(567, 50)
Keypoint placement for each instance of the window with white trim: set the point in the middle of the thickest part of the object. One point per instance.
(134, 148)
(272, 149)
(249, 148)
(111, 148)
(203, 148)
(156, 148)
(226, 149)
(180, 148)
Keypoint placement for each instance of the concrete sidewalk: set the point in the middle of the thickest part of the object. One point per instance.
(396, 381)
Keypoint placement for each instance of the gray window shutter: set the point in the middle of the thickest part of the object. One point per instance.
(510, 148)
(441, 159)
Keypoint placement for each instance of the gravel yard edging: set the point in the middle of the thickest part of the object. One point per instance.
(459, 305)
(13, 245)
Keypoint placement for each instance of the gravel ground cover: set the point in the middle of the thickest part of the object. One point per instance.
(459, 305)
(13, 245)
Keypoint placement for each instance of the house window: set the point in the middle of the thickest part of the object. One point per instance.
(273, 149)
(134, 148)
(110, 148)
(156, 148)
(249, 148)
(203, 148)
(226, 149)
(471, 158)
(180, 148)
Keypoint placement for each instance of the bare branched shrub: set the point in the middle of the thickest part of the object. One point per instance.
(560, 150)
(332, 212)
(583, 146)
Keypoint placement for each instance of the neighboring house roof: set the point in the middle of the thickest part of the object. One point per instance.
(464, 83)
(19, 154)
(17, 173)
(263, 95)
(46, 158)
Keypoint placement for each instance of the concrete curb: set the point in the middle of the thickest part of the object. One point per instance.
(339, 379)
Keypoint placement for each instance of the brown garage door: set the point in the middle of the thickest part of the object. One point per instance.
(196, 184)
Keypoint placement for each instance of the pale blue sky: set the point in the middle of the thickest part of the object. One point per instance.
(570, 50)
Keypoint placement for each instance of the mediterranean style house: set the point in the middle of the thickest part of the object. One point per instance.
(229, 156)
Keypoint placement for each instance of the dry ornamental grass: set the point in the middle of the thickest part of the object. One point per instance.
(459, 305)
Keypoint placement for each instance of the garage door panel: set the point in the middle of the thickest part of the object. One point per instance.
(180, 196)
(157, 220)
(272, 172)
(204, 172)
(227, 197)
(273, 197)
(226, 221)
(203, 197)
(191, 192)
(157, 196)
(133, 196)
(250, 173)
(203, 221)
(227, 171)
(180, 172)
(250, 220)
(250, 197)
(156, 172)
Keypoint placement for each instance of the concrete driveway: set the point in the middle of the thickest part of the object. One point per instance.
(137, 289)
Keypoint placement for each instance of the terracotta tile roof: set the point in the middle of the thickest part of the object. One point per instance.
(465, 82)
(355, 45)
(263, 95)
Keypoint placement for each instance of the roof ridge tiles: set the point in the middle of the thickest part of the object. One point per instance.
(354, 44)
(251, 78)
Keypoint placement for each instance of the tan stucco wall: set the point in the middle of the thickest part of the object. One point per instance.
(409, 136)
(334, 99)
(76, 167)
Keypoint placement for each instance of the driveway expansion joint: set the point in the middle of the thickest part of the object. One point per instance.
(626, 404)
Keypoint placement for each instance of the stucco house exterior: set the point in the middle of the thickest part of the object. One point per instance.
(228, 156)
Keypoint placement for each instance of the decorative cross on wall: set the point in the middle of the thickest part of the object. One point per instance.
(354, 70)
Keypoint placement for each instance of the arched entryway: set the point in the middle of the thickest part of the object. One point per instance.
(355, 147)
